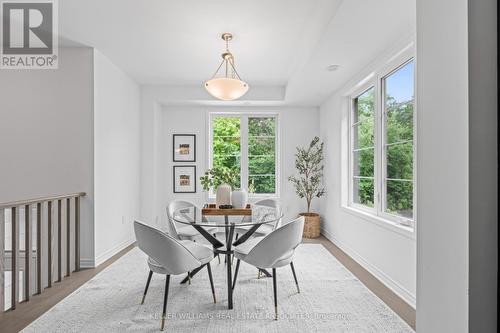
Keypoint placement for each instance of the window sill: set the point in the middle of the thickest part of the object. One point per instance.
(406, 231)
(252, 197)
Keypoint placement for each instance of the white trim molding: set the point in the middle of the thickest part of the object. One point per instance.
(244, 144)
(111, 252)
(375, 80)
(406, 231)
(87, 263)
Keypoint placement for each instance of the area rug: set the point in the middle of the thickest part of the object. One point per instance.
(331, 300)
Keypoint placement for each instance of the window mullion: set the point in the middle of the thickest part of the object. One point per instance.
(244, 151)
(378, 155)
(383, 148)
(350, 190)
(211, 191)
(210, 141)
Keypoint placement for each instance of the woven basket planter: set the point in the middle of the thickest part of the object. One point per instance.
(312, 226)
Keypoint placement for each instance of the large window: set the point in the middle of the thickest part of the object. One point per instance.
(398, 141)
(226, 146)
(381, 149)
(363, 148)
(247, 144)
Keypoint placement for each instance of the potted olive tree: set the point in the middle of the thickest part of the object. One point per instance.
(308, 182)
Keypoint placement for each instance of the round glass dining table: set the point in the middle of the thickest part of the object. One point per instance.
(228, 220)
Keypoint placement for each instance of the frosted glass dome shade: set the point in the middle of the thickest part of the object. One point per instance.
(226, 89)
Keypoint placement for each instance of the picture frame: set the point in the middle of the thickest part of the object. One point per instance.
(184, 179)
(184, 147)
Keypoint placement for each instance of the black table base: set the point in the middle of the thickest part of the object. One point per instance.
(219, 248)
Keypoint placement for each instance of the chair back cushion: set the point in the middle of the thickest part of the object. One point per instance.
(277, 245)
(265, 208)
(164, 249)
(171, 208)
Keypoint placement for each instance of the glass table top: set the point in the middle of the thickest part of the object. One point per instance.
(259, 215)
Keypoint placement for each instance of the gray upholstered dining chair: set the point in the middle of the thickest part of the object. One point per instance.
(185, 231)
(272, 251)
(262, 207)
(266, 206)
(169, 256)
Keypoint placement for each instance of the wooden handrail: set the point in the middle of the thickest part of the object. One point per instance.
(42, 199)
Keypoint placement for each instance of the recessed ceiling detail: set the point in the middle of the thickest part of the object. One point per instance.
(282, 47)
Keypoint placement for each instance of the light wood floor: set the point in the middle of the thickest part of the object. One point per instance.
(396, 303)
(27, 312)
(14, 321)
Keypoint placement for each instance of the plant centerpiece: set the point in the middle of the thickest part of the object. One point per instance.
(221, 180)
(308, 182)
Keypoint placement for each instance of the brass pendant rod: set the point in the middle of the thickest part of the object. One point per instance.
(235, 71)
(228, 60)
(217, 69)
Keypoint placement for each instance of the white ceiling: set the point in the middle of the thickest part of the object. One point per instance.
(361, 31)
(276, 42)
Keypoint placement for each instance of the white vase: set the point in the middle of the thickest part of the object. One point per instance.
(239, 198)
(223, 195)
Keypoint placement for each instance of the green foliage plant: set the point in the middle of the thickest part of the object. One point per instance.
(309, 165)
(214, 177)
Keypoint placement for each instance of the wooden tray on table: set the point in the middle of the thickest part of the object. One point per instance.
(211, 209)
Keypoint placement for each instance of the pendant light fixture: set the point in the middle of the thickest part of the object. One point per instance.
(230, 86)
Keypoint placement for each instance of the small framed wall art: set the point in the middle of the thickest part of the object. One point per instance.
(184, 148)
(185, 179)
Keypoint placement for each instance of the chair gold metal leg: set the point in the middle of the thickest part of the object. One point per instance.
(147, 286)
(295, 277)
(162, 323)
(165, 297)
(275, 295)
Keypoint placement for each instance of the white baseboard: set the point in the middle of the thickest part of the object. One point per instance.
(87, 263)
(380, 275)
(111, 252)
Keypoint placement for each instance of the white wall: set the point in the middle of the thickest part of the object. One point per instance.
(387, 253)
(150, 139)
(46, 134)
(385, 250)
(442, 166)
(116, 157)
(75, 129)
